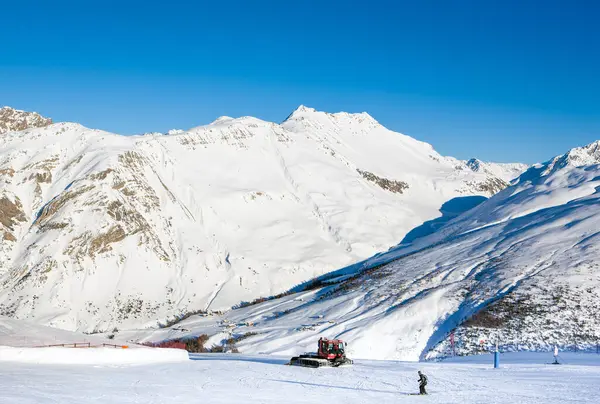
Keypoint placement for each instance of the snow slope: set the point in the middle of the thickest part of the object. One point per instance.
(27, 342)
(521, 269)
(102, 231)
(505, 171)
(229, 379)
(91, 356)
(27, 334)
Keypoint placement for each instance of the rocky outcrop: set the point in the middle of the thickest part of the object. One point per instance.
(394, 186)
(12, 120)
(11, 212)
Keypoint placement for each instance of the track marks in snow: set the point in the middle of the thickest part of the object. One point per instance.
(236, 379)
(306, 199)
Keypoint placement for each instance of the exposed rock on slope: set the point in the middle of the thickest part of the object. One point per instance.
(15, 120)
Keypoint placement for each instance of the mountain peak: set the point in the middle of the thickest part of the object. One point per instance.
(12, 120)
(300, 111)
(578, 156)
(504, 171)
(304, 108)
(304, 113)
(222, 119)
(474, 164)
(585, 155)
(592, 148)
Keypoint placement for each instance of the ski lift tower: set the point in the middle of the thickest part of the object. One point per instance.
(496, 357)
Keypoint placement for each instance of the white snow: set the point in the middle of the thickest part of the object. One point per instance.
(22, 333)
(24, 341)
(505, 171)
(92, 356)
(215, 378)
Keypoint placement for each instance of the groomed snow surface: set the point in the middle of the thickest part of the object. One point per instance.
(27, 334)
(224, 378)
(27, 342)
(91, 356)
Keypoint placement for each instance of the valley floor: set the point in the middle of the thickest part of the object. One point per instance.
(223, 378)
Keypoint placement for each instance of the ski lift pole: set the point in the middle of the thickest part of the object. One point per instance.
(496, 357)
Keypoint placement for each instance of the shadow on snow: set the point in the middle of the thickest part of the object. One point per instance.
(341, 387)
(236, 358)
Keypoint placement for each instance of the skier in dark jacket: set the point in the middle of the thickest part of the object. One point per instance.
(422, 383)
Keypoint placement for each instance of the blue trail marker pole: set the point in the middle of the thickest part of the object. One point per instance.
(496, 358)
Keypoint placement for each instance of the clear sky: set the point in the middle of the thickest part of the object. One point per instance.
(500, 80)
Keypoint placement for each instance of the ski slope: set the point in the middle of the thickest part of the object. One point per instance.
(26, 342)
(228, 379)
(23, 333)
(102, 355)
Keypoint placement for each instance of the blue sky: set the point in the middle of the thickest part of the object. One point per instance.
(499, 80)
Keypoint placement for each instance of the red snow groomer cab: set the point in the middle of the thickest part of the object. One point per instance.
(330, 352)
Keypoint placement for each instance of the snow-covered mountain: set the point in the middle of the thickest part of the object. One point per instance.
(13, 119)
(101, 230)
(521, 269)
(505, 171)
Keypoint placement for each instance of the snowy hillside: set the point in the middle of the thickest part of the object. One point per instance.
(521, 269)
(23, 333)
(102, 231)
(505, 171)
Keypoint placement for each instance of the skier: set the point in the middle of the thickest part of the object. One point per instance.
(422, 383)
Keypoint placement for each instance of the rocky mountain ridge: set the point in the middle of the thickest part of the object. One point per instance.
(15, 120)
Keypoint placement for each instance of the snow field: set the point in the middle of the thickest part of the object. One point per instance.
(91, 356)
(216, 378)
(26, 342)
(26, 334)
